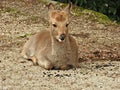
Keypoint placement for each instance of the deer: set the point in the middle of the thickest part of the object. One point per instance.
(54, 48)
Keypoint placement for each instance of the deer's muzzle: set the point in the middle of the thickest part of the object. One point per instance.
(62, 37)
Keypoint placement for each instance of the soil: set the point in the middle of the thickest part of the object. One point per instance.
(99, 51)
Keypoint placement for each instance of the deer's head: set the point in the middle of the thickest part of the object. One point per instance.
(59, 21)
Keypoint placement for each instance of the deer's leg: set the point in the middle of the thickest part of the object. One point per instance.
(45, 63)
(23, 54)
(34, 60)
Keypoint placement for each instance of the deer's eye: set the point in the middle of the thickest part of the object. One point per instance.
(67, 25)
(54, 25)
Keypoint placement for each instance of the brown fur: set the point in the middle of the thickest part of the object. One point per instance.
(46, 48)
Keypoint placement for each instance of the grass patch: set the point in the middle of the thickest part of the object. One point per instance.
(44, 1)
(25, 35)
(13, 11)
(97, 16)
(92, 15)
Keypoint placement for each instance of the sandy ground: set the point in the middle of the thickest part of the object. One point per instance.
(99, 51)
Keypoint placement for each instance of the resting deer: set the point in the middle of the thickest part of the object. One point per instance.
(53, 48)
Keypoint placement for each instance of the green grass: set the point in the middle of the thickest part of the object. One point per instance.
(13, 11)
(93, 15)
(25, 35)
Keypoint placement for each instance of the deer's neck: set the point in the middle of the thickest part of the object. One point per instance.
(56, 44)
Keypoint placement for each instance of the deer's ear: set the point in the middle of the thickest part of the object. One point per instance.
(68, 7)
(50, 6)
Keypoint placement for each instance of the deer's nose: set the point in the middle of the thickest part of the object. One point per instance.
(62, 36)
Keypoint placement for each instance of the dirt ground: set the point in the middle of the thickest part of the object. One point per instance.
(99, 51)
